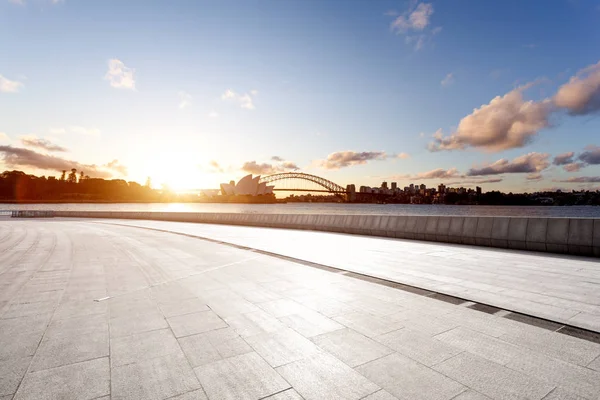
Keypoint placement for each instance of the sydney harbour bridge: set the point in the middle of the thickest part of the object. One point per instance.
(301, 182)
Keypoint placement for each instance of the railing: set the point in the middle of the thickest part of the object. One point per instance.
(5, 213)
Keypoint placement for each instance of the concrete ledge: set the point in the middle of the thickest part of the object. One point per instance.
(578, 236)
(557, 235)
(469, 231)
(483, 235)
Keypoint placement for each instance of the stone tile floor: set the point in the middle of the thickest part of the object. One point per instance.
(550, 286)
(98, 311)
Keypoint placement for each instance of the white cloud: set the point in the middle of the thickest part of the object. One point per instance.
(243, 100)
(403, 156)
(581, 95)
(120, 76)
(8, 86)
(448, 80)
(185, 99)
(342, 159)
(413, 24)
(531, 163)
(416, 19)
(506, 122)
(509, 121)
(3, 136)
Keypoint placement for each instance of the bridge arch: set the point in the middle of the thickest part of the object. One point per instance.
(330, 186)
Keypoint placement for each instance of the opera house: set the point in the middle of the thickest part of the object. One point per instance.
(247, 186)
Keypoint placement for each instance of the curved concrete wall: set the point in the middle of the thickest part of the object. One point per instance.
(557, 235)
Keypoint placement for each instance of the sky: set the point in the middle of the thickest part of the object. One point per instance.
(191, 93)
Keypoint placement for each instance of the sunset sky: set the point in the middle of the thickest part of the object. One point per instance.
(503, 94)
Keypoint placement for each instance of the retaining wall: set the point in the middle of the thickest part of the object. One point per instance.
(556, 235)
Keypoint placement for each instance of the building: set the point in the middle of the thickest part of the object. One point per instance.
(394, 186)
(247, 186)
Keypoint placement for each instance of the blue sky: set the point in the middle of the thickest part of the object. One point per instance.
(193, 93)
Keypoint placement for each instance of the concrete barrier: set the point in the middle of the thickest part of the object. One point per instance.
(579, 236)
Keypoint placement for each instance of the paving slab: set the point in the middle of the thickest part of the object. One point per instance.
(142, 346)
(351, 347)
(282, 347)
(491, 379)
(69, 349)
(407, 379)
(154, 378)
(431, 259)
(243, 376)
(11, 374)
(85, 380)
(428, 351)
(198, 322)
(324, 377)
(314, 326)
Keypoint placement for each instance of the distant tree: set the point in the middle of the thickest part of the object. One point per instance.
(72, 176)
(81, 176)
(63, 176)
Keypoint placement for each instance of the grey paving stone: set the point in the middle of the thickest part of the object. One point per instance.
(579, 380)
(85, 380)
(351, 347)
(289, 394)
(129, 325)
(155, 378)
(282, 347)
(375, 306)
(243, 376)
(16, 310)
(254, 323)
(564, 347)
(69, 349)
(415, 320)
(480, 344)
(19, 346)
(310, 323)
(182, 307)
(189, 324)
(282, 307)
(199, 350)
(560, 394)
(11, 374)
(492, 379)
(324, 377)
(16, 326)
(193, 395)
(368, 325)
(407, 379)
(595, 365)
(80, 308)
(212, 346)
(426, 350)
(142, 346)
(380, 395)
(471, 395)
(83, 325)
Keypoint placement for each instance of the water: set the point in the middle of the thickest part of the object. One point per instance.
(326, 208)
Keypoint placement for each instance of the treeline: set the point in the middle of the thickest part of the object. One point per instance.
(494, 198)
(17, 186)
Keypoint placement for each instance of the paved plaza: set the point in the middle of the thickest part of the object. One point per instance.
(98, 310)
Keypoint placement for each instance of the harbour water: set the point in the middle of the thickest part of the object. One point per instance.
(326, 208)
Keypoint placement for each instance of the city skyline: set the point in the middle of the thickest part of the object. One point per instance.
(193, 94)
